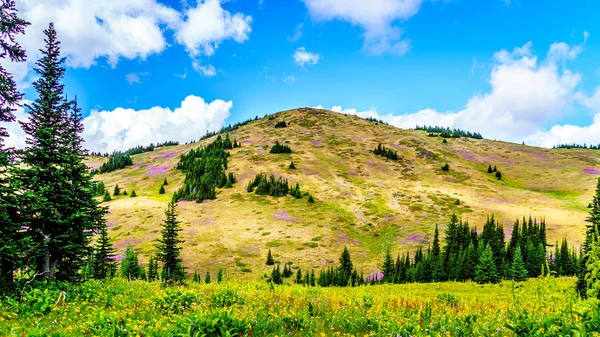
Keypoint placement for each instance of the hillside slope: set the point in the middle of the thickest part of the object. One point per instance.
(364, 201)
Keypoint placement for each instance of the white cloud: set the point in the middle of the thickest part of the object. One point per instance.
(17, 137)
(526, 96)
(290, 80)
(132, 78)
(123, 128)
(302, 57)
(206, 71)
(111, 30)
(376, 17)
(297, 33)
(208, 24)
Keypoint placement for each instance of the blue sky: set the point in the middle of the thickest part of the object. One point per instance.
(513, 70)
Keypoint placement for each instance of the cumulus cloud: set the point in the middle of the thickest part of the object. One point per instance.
(376, 17)
(124, 128)
(208, 24)
(302, 57)
(111, 30)
(526, 96)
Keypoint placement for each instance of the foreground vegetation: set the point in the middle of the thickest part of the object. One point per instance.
(544, 306)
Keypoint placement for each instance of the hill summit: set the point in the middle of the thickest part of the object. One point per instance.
(374, 187)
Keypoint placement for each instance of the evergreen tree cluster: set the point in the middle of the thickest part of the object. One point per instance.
(116, 161)
(496, 172)
(140, 149)
(484, 258)
(280, 124)
(577, 146)
(387, 153)
(435, 131)
(376, 121)
(205, 170)
(280, 148)
(275, 187)
(226, 129)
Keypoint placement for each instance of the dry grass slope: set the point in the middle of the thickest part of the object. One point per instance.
(363, 201)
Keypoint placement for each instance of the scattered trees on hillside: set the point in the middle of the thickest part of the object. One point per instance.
(280, 124)
(280, 148)
(387, 153)
(446, 167)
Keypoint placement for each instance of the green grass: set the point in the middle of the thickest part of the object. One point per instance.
(544, 307)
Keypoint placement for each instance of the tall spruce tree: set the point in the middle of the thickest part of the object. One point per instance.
(591, 238)
(130, 267)
(346, 262)
(104, 257)
(12, 236)
(169, 249)
(486, 272)
(518, 271)
(65, 214)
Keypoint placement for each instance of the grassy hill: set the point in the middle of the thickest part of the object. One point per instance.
(364, 201)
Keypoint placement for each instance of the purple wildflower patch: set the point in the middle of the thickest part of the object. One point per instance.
(247, 141)
(156, 170)
(315, 143)
(416, 237)
(591, 171)
(137, 164)
(169, 155)
(283, 215)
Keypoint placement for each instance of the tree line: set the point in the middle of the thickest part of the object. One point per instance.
(140, 149)
(577, 146)
(443, 132)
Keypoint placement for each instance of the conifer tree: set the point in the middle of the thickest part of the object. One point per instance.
(435, 250)
(270, 260)
(169, 249)
(130, 267)
(299, 276)
(276, 276)
(292, 166)
(104, 257)
(165, 182)
(12, 237)
(133, 194)
(207, 277)
(196, 277)
(592, 269)
(106, 197)
(117, 190)
(490, 169)
(346, 262)
(66, 215)
(486, 271)
(388, 267)
(311, 199)
(518, 271)
(498, 175)
(161, 190)
(591, 239)
(152, 269)
(446, 167)
(220, 275)
(124, 192)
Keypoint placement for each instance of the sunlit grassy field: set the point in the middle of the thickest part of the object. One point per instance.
(538, 307)
(363, 201)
